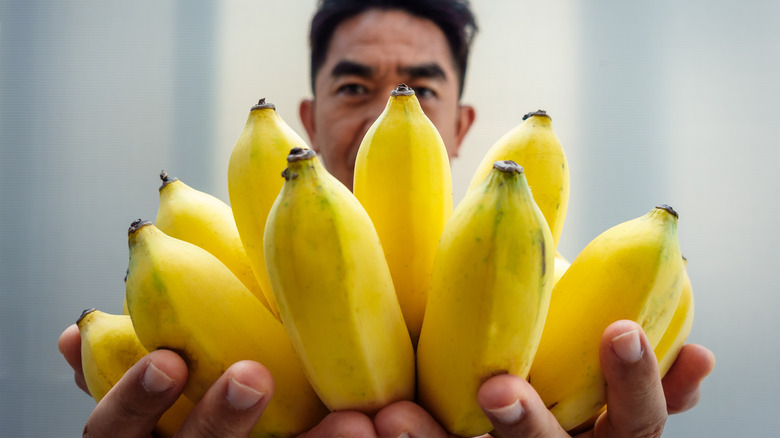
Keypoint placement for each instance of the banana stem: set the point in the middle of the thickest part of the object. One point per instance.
(137, 225)
(537, 113)
(508, 166)
(166, 179)
(262, 104)
(85, 313)
(402, 90)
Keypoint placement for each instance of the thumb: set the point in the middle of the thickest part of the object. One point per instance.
(635, 398)
(516, 410)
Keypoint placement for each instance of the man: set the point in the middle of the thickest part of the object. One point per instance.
(360, 51)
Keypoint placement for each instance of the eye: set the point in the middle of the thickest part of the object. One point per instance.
(352, 89)
(424, 92)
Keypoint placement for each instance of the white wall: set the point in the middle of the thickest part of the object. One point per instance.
(662, 102)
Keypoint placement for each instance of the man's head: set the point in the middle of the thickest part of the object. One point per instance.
(362, 49)
(453, 17)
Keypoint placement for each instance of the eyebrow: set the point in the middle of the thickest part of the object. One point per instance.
(430, 70)
(351, 68)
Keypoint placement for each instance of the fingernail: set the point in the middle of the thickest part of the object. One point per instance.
(241, 396)
(404, 435)
(627, 346)
(155, 380)
(508, 414)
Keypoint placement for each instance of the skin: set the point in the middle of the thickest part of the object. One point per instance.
(369, 56)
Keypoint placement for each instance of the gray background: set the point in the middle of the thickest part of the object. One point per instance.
(655, 102)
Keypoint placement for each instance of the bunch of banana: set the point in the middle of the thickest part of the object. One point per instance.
(334, 291)
(489, 295)
(403, 180)
(204, 220)
(109, 347)
(632, 271)
(257, 158)
(182, 298)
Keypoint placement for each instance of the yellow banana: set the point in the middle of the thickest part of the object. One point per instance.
(534, 145)
(490, 291)
(335, 292)
(109, 347)
(631, 271)
(679, 328)
(668, 347)
(257, 159)
(204, 220)
(403, 180)
(184, 299)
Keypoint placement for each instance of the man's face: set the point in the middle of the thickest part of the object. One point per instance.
(369, 55)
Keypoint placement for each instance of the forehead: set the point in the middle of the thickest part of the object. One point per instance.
(388, 39)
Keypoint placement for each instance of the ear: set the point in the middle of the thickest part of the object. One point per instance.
(466, 117)
(306, 113)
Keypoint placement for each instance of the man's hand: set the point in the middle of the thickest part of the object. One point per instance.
(639, 401)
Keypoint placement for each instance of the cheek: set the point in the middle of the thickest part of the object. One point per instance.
(446, 128)
(336, 138)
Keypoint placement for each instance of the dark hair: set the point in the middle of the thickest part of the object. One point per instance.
(453, 17)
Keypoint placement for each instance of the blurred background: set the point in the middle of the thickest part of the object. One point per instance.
(655, 102)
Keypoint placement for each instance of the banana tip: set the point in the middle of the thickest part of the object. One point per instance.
(84, 314)
(299, 154)
(508, 166)
(137, 225)
(669, 209)
(537, 113)
(402, 90)
(262, 104)
(166, 179)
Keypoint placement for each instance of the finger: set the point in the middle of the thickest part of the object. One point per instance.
(408, 418)
(343, 424)
(515, 409)
(132, 407)
(635, 398)
(69, 345)
(233, 404)
(682, 382)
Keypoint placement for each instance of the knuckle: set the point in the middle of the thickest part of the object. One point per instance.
(132, 408)
(208, 426)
